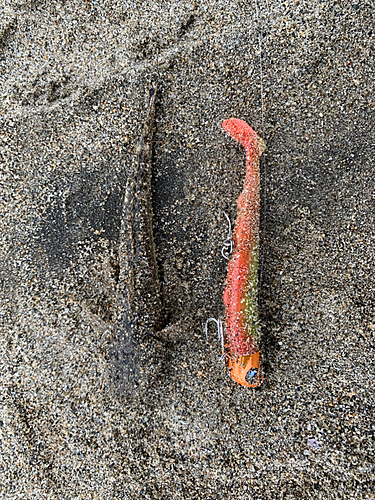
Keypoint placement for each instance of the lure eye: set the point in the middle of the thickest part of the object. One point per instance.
(251, 375)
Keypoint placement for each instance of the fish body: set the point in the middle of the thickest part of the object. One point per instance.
(242, 330)
(134, 354)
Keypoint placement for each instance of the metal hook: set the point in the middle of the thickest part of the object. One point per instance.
(220, 330)
(228, 243)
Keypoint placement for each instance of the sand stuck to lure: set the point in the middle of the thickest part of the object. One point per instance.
(242, 331)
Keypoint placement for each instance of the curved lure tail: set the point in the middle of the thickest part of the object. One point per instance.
(242, 331)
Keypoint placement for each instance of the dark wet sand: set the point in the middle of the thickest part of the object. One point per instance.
(74, 83)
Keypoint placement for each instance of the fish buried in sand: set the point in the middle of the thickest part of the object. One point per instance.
(135, 355)
(242, 331)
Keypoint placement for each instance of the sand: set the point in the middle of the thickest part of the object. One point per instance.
(74, 81)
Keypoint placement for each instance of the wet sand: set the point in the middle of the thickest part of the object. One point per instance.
(75, 78)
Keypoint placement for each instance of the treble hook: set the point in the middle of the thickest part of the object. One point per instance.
(228, 243)
(220, 330)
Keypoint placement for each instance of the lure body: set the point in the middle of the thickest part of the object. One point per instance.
(242, 331)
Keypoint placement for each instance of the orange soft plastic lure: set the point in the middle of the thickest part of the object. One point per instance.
(242, 331)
